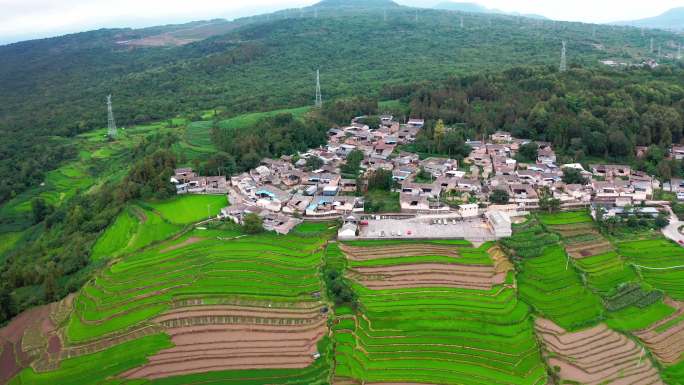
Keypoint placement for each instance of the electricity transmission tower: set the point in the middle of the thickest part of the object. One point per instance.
(652, 50)
(563, 62)
(461, 22)
(111, 124)
(679, 51)
(319, 97)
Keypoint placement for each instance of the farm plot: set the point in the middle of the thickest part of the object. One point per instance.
(659, 262)
(229, 305)
(665, 338)
(427, 331)
(596, 355)
(418, 265)
(187, 209)
(548, 281)
(132, 230)
(593, 254)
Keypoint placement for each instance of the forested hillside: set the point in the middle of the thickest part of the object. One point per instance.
(586, 114)
(56, 87)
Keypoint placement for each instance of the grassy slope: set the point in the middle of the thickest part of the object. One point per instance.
(189, 209)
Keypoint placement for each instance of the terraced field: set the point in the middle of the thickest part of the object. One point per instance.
(547, 280)
(592, 253)
(433, 321)
(660, 262)
(246, 309)
(215, 306)
(596, 355)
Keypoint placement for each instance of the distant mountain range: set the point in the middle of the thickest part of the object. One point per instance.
(670, 20)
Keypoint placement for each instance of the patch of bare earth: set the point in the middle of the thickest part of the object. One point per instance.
(180, 245)
(232, 337)
(594, 356)
(666, 344)
(26, 339)
(588, 249)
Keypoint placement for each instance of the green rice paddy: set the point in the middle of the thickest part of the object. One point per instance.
(436, 335)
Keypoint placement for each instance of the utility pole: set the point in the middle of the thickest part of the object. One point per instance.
(111, 124)
(563, 63)
(319, 96)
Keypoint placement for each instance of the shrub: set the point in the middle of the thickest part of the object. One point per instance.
(252, 224)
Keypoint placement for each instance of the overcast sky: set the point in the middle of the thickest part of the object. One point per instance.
(27, 19)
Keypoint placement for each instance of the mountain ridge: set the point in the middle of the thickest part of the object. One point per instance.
(672, 19)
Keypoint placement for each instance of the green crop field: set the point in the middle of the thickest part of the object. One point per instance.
(249, 120)
(660, 262)
(436, 335)
(198, 134)
(132, 230)
(190, 208)
(564, 218)
(557, 292)
(145, 284)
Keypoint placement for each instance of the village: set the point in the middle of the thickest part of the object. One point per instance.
(456, 200)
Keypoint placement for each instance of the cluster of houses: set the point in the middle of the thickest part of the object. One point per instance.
(610, 186)
(284, 191)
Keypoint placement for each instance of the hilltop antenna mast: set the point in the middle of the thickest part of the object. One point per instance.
(111, 124)
(563, 63)
(593, 32)
(319, 96)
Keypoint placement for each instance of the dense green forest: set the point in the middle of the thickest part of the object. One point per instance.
(55, 88)
(585, 113)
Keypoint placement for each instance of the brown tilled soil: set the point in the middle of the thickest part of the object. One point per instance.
(595, 356)
(588, 249)
(405, 250)
(8, 362)
(666, 345)
(186, 242)
(230, 337)
(54, 344)
(12, 358)
(427, 275)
